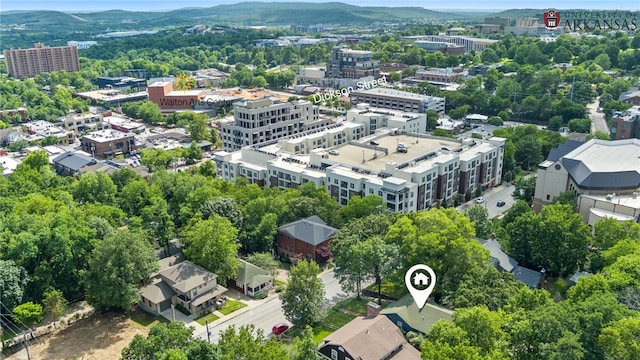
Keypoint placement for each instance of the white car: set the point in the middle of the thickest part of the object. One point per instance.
(334, 152)
(480, 200)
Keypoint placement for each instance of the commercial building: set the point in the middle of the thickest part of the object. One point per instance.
(83, 122)
(122, 83)
(111, 97)
(166, 98)
(41, 129)
(398, 100)
(373, 118)
(469, 43)
(108, 143)
(624, 124)
(597, 167)
(257, 121)
(428, 172)
(443, 47)
(354, 64)
(123, 125)
(41, 59)
(81, 45)
(438, 76)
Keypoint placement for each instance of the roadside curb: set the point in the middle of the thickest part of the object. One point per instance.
(239, 312)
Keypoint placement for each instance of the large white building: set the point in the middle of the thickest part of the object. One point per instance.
(373, 118)
(430, 172)
(398, 100)
(598, 168)
(257, 121)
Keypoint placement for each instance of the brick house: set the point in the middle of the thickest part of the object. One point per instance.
(307, 238)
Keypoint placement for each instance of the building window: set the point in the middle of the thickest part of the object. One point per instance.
(334, 354)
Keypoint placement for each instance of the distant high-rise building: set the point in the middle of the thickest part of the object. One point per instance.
(354, 64)
(41, 59)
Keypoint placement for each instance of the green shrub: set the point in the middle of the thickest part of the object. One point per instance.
(183, 309)
(261, 295)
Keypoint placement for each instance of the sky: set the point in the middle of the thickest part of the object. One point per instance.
(151, 5)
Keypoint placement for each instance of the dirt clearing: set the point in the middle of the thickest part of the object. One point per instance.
(99, 337)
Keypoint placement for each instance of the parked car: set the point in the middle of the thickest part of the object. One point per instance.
(480, 200)
(334, 152)
(279, 328)
(500, 203)
(373, 142)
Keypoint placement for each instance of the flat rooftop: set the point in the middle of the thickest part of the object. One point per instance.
(394, 93)
(110, 95)
(106, 135)
(353, 155)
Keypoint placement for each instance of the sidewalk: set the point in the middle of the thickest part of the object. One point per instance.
(251, 304)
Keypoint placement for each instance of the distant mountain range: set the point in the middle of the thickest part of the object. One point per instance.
(245, 13)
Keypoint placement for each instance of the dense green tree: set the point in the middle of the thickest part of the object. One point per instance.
(198, 127)
(303, 299)
(95, 188)
(247, 343)
(54, 303)
(487, 287)
(212, 244)
(359, 207)
(265, 261)
(167, 340)
(225, 207)
(305, 347)
(12, 283)
(620, 340)
(525, 189)
(479, 215)
(29, 314)
(442, 239)
(119, 264)
(459, 112)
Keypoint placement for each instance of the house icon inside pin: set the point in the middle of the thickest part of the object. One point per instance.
(420, 279)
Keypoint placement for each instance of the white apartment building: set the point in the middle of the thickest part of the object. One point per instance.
(258, 121)
(387, 98)
(41, 129)
(431, 172)
(331, 136)
(373, 118)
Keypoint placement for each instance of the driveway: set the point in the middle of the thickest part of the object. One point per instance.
(492, 196)
(598, 122)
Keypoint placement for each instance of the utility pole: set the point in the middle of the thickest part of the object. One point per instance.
(25, 344)
(208, 333)
(173, 312)
(573, 85)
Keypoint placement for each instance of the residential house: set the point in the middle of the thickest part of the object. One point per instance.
(505, 263)
(368, 338)
(630, 97)
(309, 237)
(70, 163)
(408, 317)
(251, 279)
(184, 283)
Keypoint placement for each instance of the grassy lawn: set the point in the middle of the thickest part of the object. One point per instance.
(280, 282)
(232, 305)
(209, 317)
(390, 289)
(320, 332)
(337, 318)
(143, 320)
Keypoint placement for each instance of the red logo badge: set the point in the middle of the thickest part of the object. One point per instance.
(552, 19)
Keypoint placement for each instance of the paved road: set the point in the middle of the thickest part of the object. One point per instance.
(266, 314)
(598, 122)
(491, 197)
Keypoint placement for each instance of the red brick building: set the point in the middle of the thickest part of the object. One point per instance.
(166, 98)
(306, 238)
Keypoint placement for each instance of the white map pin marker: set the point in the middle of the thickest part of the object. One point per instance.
(420, 281)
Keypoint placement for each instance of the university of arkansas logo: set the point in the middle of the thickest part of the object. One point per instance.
(552, 19)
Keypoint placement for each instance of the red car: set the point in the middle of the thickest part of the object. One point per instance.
(279, 328)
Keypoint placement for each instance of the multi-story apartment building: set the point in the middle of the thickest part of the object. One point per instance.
(443, 47)
(108, 143)
(83, 122)
(41, 59)
(430, 172)
(373, 118)
(469, 43)
(625, 124)
(41, 129)
(354, 64)
(257, 121)
(398, 100)
(440, 75)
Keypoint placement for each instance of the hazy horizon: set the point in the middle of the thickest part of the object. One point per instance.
(455, 5)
